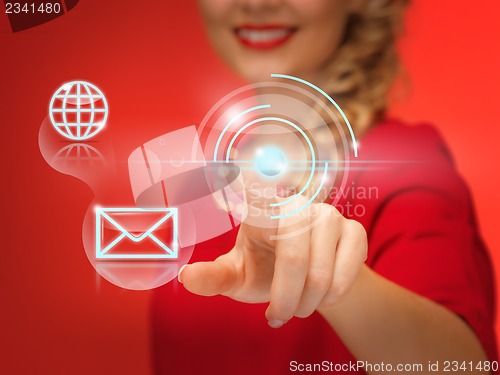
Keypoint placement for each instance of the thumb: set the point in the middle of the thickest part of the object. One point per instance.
(208, 278)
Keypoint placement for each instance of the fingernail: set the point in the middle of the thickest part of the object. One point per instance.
(274, 323)
(179, 274)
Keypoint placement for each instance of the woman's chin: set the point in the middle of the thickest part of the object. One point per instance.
(258, 73)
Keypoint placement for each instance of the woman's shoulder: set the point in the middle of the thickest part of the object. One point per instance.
(398, 158)
(393, 139)
(406, 154)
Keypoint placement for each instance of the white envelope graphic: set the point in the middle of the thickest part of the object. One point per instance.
(155, 248)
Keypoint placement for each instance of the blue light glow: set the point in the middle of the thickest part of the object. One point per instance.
(311, 148)
(270, 161)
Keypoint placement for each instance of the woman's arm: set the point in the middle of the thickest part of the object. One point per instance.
(379, 321)
(314, 261)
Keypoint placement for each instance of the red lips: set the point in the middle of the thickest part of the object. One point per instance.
(263, 37)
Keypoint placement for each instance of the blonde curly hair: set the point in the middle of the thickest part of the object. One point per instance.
(367, 62)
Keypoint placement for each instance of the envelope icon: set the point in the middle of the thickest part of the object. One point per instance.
(136, 233)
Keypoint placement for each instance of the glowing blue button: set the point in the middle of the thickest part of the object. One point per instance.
(270, 161)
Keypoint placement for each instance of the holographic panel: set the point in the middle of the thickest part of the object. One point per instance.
(171, 172)
(291, 141)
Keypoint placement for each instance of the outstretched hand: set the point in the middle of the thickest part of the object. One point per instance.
(306, 261)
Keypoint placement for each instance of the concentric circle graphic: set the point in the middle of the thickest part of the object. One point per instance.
(290, 141)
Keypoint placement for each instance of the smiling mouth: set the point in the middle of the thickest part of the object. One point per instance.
(264, 37)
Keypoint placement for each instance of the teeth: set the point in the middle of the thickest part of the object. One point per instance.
(263, 35)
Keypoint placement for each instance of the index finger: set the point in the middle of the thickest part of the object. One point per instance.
(290, 269)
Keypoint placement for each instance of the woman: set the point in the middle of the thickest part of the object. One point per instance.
(408, 282)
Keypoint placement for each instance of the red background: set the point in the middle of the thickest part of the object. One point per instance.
(158, 72)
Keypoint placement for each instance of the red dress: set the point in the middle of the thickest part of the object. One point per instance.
(422, 234)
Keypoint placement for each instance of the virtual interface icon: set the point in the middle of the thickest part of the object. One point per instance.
(262, 153)
(171, 171)
(78, 110)
(136, 233)
(291, 141)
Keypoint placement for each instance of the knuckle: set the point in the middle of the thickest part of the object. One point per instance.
(355, 228)
(364, 251)
(329, 300)
(317, 280)
(327, 218)
(329, 212)
(294, 258)
(338, 289)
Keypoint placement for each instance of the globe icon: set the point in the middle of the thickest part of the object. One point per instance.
(78, 110)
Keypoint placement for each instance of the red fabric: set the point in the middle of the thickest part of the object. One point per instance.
(422, 235)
